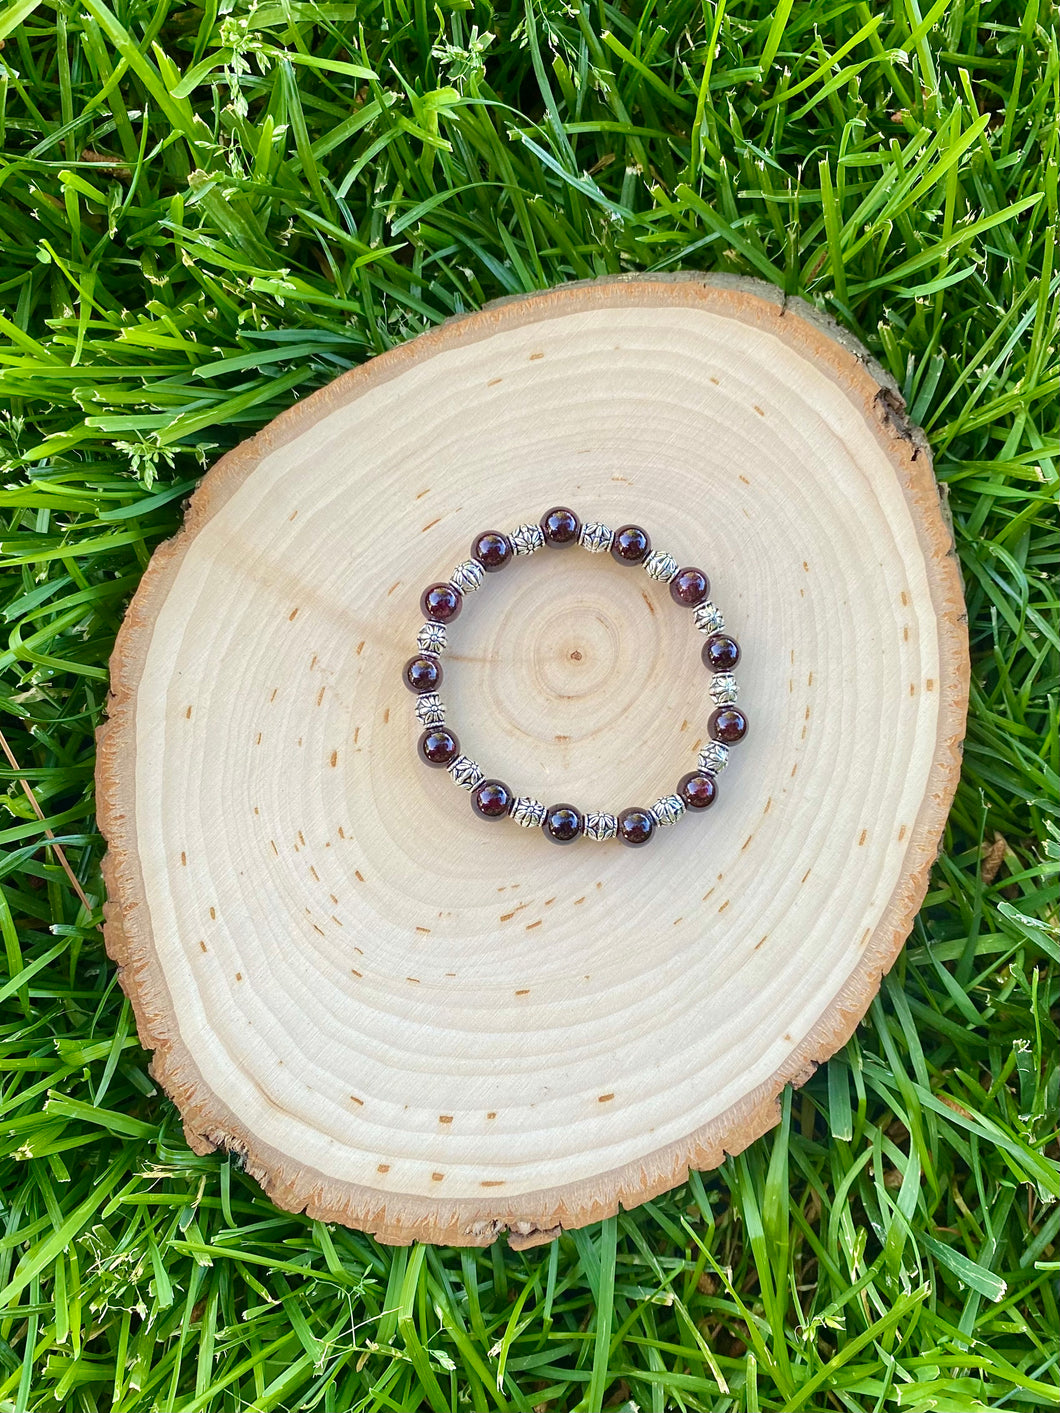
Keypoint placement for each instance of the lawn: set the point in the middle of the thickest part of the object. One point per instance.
(209, 209)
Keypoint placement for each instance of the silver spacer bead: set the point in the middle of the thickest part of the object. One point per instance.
(708, 617)
(429, 709)
(465, 773)
(667, 810)
(601, 827)
(723, 689)
(596, 538)
(527, 539)
(467, 577)
(713, 758)
(432, 638)
(661, 566)
(529, 813)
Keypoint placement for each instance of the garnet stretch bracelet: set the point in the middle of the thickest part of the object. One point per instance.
(492, 799)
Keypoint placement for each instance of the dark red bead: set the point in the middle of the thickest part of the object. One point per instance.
(439, 747)
(563, 823)
(422, 673)
(697, 790)
(721, 653)
(492, 550)
(727, 724)
(560, 526)
(631, 545)
(689, 587)
(635, 827)
(441, 603)
(492, 799)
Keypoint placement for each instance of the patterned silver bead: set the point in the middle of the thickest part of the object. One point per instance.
(467, 577)
(529, 813)
(465, 773)
(723, 689)
(527, 539)
(709, 618)
(667, 810)
(432, 638)
(713, 758)
(661, 566)
(596, 538)
(601, 827)
(429, 709)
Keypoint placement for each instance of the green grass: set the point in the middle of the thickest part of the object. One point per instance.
(209, 209)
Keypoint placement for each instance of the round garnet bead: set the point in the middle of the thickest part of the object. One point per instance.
(422, 673)
(631, 545)
(721, 653)
(563, 823)
(492, 799)
(560, 526)
(697, 790)
(441, 603)
(438, 747)
(635, 827)
(492, 550)
(728, 724)
(689, 587)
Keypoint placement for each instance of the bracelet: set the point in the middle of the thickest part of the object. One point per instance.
(442, 603)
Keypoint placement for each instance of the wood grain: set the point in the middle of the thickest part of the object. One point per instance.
(432, 1028)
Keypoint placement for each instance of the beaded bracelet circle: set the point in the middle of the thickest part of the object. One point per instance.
(493, 799)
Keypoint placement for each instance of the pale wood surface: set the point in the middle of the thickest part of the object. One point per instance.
(414, 1022)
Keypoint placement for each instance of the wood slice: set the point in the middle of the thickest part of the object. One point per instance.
(414, 1022)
